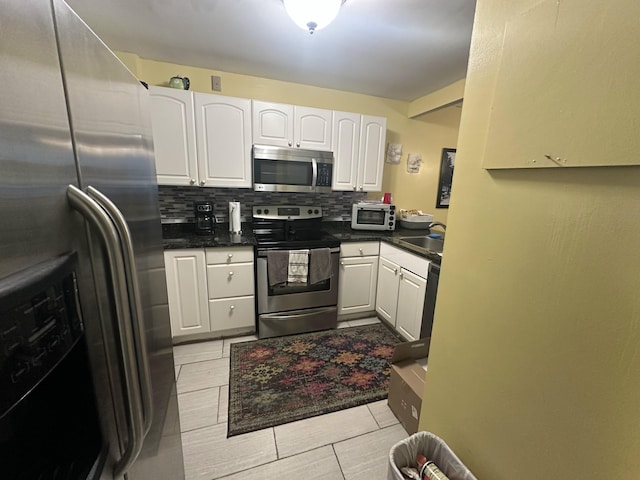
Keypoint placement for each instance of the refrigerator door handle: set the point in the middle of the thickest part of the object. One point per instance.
(134, 301)
(101, 221)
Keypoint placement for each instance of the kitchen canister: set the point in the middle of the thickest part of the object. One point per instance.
(235, 225)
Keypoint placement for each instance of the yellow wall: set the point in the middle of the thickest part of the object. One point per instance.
(445, 96)
(429, 134)
(426, 135)
(534, 368)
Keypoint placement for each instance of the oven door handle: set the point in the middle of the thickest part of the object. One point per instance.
(262, 253)
(297, 313)
(314, 169)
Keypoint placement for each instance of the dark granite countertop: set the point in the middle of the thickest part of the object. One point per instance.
(344, 232)
(182, 235)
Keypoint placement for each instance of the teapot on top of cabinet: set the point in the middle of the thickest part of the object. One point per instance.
(182, 83)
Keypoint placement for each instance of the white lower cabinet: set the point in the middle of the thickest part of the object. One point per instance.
(231, 291)
(358, 277)
(387, 291)
(232, 313)
(210, 291)
(187, 291)
(400, 293)
(411, 291)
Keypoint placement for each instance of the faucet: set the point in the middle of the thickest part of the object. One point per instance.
(437, 224)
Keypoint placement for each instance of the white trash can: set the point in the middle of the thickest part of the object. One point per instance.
(403, 454)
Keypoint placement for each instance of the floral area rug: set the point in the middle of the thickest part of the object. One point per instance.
(280, 380)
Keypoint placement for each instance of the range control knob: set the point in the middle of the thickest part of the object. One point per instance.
(391, 224)
(259, 211)
(310, 211)
(316, 211)
(266, 211)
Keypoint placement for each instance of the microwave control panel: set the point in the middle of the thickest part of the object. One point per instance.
(324, 175)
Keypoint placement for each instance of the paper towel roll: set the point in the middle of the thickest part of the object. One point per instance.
(234, 217)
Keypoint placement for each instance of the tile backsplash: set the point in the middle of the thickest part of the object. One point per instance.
(176, 203)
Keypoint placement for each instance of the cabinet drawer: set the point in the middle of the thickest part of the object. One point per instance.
(230, 280)
(227, 255)
(359, 249)
(228, 313)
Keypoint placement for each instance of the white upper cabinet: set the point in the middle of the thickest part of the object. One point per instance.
(223, 138)
(291, 126)
(312, 128)
(373, 135)
(201, 139)
(358, 144)
(345, 145)
(205, 140)
(174, 139)
(272, 124)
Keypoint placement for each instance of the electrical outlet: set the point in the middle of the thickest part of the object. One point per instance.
(216, 83)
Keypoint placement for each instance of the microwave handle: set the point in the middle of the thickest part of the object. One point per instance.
(314, 169)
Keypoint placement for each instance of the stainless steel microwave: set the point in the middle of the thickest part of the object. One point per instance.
(282, 169)
(373, 216)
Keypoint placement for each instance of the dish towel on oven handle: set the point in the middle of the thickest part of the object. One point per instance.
(320, 265)
(277, 266)
(298, 270)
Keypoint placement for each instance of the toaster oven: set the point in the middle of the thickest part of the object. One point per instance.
(373, 216)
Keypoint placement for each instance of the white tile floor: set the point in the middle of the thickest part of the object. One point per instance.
(351, 444)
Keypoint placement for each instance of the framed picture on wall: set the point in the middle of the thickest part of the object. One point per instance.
(447, 162)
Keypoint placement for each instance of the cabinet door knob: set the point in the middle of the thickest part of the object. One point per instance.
(342, 263)
(202, 183)
(395, 271)
(192, 181)
(290, 143)
(230, 256)
(354, 188)
(232, 307)
(401, 275)
(298, 144)
(360, 251)
(361, 188)
(231, 274)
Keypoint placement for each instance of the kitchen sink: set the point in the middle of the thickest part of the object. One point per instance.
(426, 242)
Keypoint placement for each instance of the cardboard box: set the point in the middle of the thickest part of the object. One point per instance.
(406, 383)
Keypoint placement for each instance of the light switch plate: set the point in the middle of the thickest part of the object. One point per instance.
(216, 83)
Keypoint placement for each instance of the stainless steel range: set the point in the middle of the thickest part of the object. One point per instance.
(296, 270)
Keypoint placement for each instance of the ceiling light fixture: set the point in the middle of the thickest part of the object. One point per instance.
(312, 15)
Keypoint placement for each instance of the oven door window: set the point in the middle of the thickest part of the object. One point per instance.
(282, 172)
(371, 217)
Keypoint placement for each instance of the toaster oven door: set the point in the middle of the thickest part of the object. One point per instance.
(369, 218)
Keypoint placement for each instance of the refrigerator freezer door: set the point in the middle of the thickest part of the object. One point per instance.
(111, 128)
(37, 164)
(36, 156)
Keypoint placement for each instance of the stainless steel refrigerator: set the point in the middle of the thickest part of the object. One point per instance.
(78, 197)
